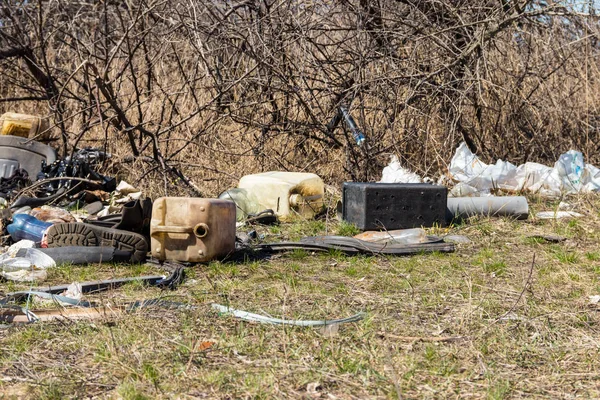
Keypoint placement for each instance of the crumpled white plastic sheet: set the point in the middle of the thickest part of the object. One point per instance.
(396, 173)
(32, 267)
(570, 174)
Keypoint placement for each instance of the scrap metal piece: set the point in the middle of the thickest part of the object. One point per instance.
(170, 282)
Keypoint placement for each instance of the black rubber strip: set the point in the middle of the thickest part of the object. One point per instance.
(351, 246)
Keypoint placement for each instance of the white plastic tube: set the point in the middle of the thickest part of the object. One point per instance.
(492, 206)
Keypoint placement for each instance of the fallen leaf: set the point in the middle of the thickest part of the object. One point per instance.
(202, 346)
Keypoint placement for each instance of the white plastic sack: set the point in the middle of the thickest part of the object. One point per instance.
(395, 173)
(540, 179)
(591, 179)
(31, 267)
(570, 174)
(468, 169)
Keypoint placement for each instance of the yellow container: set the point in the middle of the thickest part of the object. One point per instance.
(23, 125)
(286, 193)
(192, 229)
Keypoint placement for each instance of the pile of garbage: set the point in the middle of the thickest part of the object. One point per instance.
(472, 177)
(55, 211)
(81, 226)
(570, 174)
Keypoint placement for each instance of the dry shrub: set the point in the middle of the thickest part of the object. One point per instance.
(213, 90)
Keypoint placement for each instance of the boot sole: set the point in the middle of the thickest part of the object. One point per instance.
(78, 234)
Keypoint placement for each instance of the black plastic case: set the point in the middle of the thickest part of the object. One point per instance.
(388, 206)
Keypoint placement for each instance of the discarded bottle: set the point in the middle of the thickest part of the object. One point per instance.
(359, 137)
(246, 202)
(27, 227)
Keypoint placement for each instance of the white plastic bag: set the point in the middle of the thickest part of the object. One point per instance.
(590, 179)
(31, 267)
(467, 168)
(570, 174)
(395, 173)
(540, 179)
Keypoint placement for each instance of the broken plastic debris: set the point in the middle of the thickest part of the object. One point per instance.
(129, 197)
(74, 291)
(48, 299)
(128, 192)
(312, 389)
(125, 188)
(405, 236)
(565, 206)
(21, 244)
(396, 173)
(246, 316)
(460, 239)
(557, 214)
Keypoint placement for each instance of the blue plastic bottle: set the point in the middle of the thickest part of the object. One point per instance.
(26, 227)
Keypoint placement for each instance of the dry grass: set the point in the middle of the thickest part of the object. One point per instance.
(222, 89)
(529, 332)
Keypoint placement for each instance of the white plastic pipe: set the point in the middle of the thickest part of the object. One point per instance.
(492, 206)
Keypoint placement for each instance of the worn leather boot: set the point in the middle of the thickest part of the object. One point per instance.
(135, 217)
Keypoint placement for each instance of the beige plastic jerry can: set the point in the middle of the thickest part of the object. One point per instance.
(192, 229)
(286, 193)
(23, 125)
